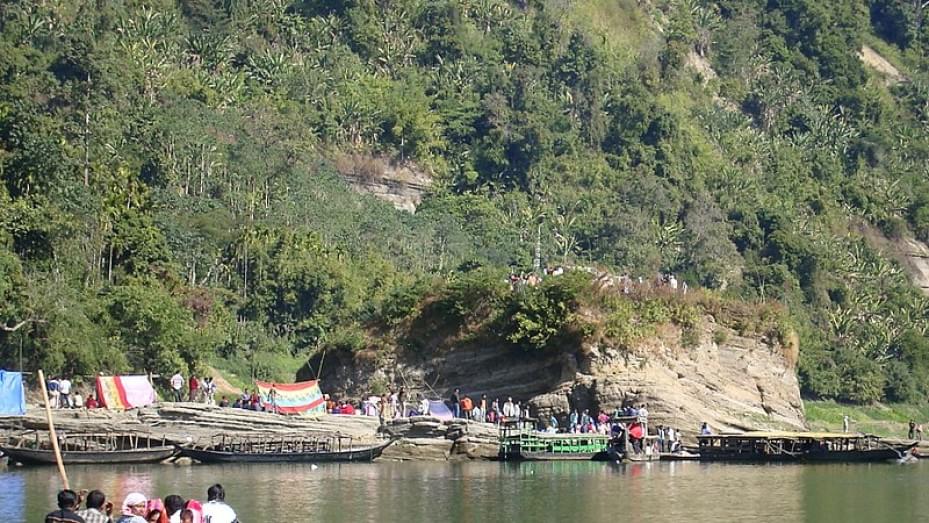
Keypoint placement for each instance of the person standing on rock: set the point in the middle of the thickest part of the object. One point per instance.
(911, 434)
(509, 409)
(193, 385)
(394, 404)
(177, 384)
(401, 400)
(272, 398)
(455, 400)
(845, 423)
(64, 388)
(52, 386)
(386, 414)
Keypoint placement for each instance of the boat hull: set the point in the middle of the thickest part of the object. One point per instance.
(552, 456)
(47, 457)
(365, 454)
(851, 456)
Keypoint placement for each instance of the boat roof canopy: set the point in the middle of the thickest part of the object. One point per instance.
(787, 435)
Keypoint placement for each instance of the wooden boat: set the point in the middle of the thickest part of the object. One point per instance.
(679, 456)
(281, 450)
(89, 449)
(520, 441)
(800, 447)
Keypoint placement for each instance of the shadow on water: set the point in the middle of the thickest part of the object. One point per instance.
(512, 492)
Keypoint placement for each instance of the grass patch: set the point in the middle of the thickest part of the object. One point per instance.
(625, 26)
(263, 366)
(888, 420)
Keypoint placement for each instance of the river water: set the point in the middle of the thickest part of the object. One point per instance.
(483, 491)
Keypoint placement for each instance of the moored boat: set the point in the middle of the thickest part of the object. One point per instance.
(519, 440)
(282, 450)
(89, 449)
(800, 447)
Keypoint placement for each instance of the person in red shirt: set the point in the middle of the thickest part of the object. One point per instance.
(194, 385)
(91, 402)
(255, 400)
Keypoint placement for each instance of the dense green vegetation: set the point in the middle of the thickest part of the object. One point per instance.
(171, 191)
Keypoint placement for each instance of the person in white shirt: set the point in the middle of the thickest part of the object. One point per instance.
(509, 409)
(215, 510)
(54, 391)
(78, 400)
(64, 387)
(643, 412)
(177, 383)
(424, 407)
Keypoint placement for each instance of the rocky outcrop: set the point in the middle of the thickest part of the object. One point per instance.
(727, 380)
(401, 185)
(425, 438)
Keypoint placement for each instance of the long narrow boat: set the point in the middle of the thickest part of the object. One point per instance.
(288, 451)
(800, 447)
(89, 449)
(27, 456)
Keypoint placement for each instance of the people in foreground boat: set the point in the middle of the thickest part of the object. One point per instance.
(98, 509)
(215, 510)
(156, 511)
(134, 509)
(174, 504)
(67, 503)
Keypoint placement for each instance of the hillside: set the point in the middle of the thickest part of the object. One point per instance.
(184, 181)
(576, 342)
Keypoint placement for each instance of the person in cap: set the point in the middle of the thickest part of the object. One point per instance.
(134, 509)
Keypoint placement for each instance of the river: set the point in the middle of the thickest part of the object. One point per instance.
(485, 491)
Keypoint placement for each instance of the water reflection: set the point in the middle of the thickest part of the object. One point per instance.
(411, 492)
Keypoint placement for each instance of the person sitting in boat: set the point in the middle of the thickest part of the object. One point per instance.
(705, 430)
(67, 502)
(134, 509)
(98, 510)
(215, 510)
(156, 512)
(174, 504)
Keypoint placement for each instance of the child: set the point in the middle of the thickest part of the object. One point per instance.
(187, 516)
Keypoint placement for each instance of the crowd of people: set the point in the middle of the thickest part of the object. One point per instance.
(62, 394)
(200, 389)
(138, 508)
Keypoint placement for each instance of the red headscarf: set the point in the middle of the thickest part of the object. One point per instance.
(156, 504)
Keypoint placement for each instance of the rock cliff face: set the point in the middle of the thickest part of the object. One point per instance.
(402, 186)
(732, 383)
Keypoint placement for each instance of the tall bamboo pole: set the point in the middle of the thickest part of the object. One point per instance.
(51, 431)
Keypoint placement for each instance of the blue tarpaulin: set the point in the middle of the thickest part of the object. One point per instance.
(12, 395)
(439, 410)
